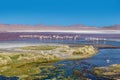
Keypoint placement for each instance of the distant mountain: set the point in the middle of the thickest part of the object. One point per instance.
(113, 27)
(77, 27)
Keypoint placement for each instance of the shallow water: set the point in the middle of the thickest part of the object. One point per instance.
(8, 78)
(105, 57)
(86, 66)
(21, 43)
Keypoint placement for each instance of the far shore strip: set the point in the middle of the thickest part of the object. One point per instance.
(73, 31)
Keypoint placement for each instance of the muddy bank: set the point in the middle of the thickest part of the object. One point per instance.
(111, 72)
(98, 46)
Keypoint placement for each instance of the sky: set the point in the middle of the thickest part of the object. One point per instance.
(60, 12)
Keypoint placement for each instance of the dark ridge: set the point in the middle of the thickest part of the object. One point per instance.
(98, 46)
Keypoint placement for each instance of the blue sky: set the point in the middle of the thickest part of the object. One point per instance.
(60, 12)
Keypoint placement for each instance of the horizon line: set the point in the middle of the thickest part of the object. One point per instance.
(49, 25)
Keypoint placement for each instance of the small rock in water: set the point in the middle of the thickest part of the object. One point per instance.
(108, 61)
